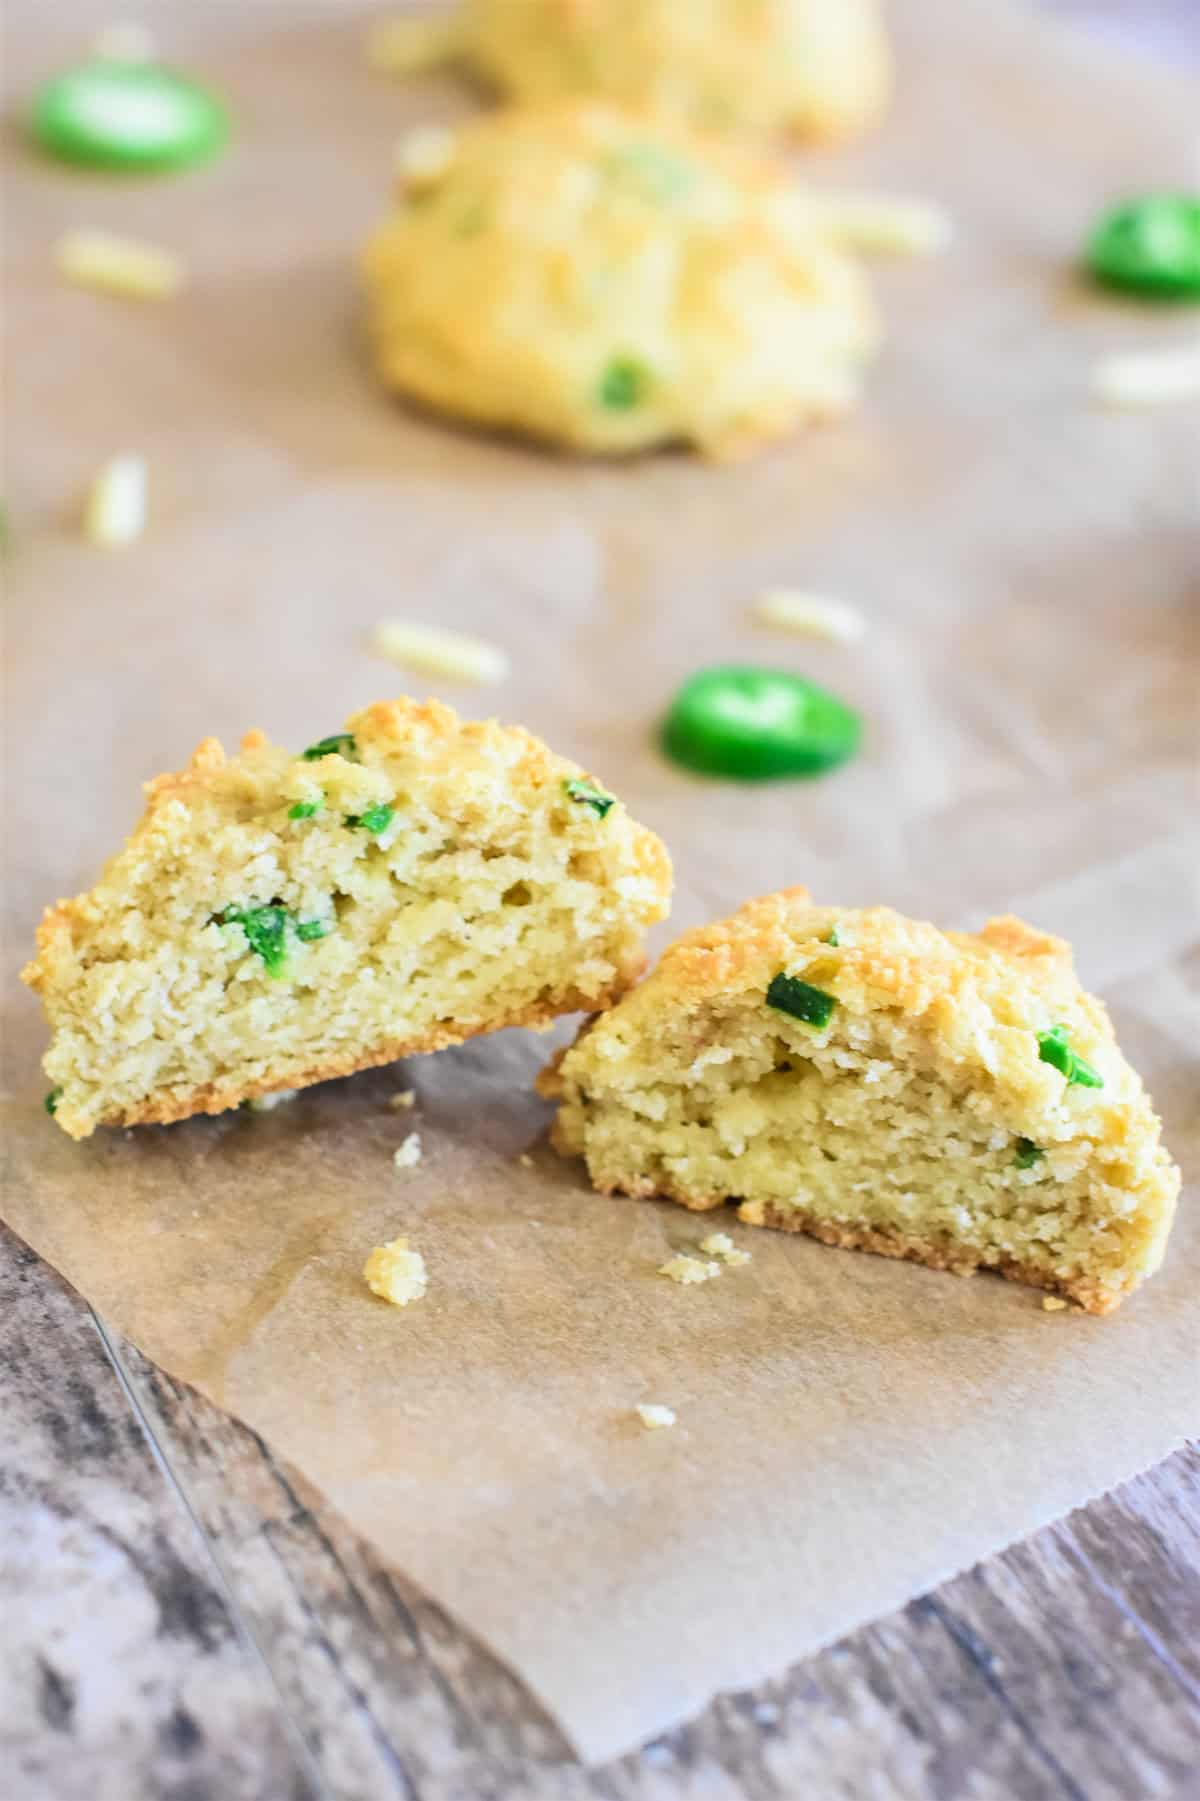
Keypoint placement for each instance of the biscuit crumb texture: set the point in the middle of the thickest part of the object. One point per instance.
(396, 1273)
(654, 1416)
(687, 1270)
(1053, 1303)
(820, 68)
(609, 282)
(917, 1120)
(277, 919)
(403, 1100)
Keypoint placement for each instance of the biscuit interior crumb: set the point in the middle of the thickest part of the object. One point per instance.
(409, 1153)
(1053, 1303)
(396, 1273)
(653, 1415)
(279, 918)
(402, 1100)
(917, 1117)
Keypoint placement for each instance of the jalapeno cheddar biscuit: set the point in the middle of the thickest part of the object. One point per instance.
(279, 918)
(600, 280)
(884, 1086)
(817, 67)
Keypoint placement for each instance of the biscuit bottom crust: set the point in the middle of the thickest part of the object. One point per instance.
(955, 1259)
(165, 1108)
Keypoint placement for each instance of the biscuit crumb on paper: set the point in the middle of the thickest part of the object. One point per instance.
(396, 1273)
(719, 1244)
(686, 1270)
(409, 1153)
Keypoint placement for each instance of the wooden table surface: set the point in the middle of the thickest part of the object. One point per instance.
(182, 1621)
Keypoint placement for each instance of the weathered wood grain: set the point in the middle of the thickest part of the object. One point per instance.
(188, 1621)
(126, 1671)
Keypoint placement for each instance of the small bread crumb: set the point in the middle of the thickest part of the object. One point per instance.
(812, 615)
(96, 259)
(434, 652)
(1147, 377)
(525, 1160)
(402, 1100)
(653, 1415)
(422, 156)
(124, 41)
(1053, 1303)
(114, 513)
(409, 1153)
(406, 46)
(685, 1270)
(395, 1273)
(719, 1244)
(264, 1103)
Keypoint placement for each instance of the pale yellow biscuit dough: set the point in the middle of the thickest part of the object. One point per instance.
(442, 879)
(919, 1120)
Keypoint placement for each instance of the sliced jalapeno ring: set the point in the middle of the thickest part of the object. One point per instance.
(1149, 246)
(754, 725)
(126, 115)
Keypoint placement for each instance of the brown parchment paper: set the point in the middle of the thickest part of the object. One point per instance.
(850, 1430)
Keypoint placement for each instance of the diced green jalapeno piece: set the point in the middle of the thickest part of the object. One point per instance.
(832, 938)
(1026, 1153)
(755, 725)
(788, 994)
(305, 809)
(266, 930)
(1149, 246)
(655, 173)
(308, 930)
(127, 115)
(340, 744)
(51, 1101)
(589, 796)
(623, 385)
(1054, 1048)
(376, 819)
